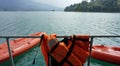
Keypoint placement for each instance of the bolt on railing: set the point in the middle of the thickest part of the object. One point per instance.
(91, 43)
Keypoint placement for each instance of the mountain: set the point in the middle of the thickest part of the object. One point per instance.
(25, 5)
(96, 6)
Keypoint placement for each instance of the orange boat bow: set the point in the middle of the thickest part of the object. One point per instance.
(18, 46)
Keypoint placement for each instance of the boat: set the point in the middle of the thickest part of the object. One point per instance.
(18, 46)
(106, 53)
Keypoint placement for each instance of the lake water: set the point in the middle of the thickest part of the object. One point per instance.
(61, 23)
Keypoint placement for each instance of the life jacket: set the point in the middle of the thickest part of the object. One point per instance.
(71, 51)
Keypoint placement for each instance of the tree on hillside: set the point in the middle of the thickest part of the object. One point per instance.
(96, 6)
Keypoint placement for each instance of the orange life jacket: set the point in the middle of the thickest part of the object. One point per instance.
(68, 52)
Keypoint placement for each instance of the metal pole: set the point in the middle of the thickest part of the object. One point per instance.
(10, 53)
(50, 61)
(20, 36)
(91, 43)
(97, 36)
(41, 38)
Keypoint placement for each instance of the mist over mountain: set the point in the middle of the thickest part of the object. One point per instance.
(25, 5)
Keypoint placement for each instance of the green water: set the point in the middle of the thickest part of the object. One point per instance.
(61, 23)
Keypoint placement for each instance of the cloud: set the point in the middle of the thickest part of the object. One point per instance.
(59, 3)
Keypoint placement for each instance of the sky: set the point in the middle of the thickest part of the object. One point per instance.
(58, 3)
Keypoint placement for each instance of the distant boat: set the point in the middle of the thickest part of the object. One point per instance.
(53, 10)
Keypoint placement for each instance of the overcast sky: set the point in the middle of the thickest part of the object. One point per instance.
(58, 3)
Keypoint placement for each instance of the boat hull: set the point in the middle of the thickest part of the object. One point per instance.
(18, 46)
(106, 53)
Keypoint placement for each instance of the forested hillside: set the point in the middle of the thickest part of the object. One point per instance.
(96, 6)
